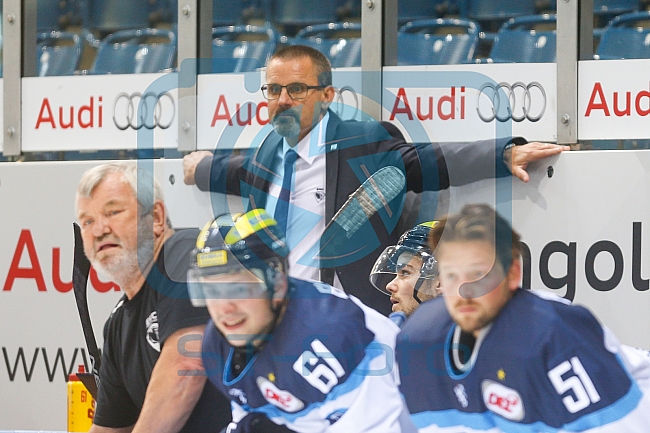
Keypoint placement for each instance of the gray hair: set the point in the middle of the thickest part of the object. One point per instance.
(141, 182)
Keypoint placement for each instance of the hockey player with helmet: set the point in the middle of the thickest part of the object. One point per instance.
(408, 271)
(488, 356)
(288, 352)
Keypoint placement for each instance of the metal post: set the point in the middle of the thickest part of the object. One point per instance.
(567, 70)
(194, 42)
(12, 69)
(371, 57)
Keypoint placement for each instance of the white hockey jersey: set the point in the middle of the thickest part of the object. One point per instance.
(327, 367)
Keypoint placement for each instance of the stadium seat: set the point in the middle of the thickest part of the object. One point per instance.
(58, 53)
(605, 10)
(340, 42)
(107, 16)
(227, 12)
(135, 51)
(491, 14)
(625, 38)
(519, 40)
(53, 15)
(437, 42)
(419, 10)
(241, 48)
(303, 12)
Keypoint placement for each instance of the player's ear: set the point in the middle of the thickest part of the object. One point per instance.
(159, 217)
(514, 274)
(281, 286)
(328, 96)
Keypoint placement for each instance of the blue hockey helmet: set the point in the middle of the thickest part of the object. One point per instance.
(230, 244)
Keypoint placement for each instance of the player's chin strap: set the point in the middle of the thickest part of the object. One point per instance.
(416, 289)
(270, 276)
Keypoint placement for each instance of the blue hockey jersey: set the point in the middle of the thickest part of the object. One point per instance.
(542, 366)
(327, 367)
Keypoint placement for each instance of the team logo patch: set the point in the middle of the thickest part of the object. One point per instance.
(152, 331)
(277, 397)
(239, 394)
(502, 400)
(461, 395)
(319, 194)
(335, 416)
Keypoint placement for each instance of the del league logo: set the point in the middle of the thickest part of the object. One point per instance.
(503, 401)
(277, 397)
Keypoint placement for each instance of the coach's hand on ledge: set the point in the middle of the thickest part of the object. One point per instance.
(517, 158)
(190, 161)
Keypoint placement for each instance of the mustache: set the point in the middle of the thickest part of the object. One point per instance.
(291, 112)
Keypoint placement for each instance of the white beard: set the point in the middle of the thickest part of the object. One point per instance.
(128, 264)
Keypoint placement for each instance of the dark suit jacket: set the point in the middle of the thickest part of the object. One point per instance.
(356, 150)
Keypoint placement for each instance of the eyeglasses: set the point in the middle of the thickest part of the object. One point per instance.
(296, 91)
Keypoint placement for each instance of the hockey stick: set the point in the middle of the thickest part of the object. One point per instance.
(80, 272)
(375, 193)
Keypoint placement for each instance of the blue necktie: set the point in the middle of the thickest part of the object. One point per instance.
(282, 207)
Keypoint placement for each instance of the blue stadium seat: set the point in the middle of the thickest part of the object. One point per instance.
(518, 40)
(419, 10)
(227, 12)
(303, 12)
(490, 14)
(106, 16)
(340, 42)
(52, 14)
(58, 53)
(430, 42)
(615, 7)
(624, 38)
(135, 51)
(240, 49)
(605, 10)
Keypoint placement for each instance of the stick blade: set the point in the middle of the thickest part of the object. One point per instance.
(81, 264)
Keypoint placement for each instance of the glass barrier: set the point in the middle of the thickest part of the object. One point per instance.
(78, 37)
(246, 32)
(446, 32)
(614, 110)
(101, 38)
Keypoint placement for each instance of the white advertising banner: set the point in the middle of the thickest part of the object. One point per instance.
(98, 112)
(613, 99)
(231, 111)
(472, 102)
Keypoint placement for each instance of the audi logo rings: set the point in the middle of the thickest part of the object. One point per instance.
(126, 106)
(341, 103)
(517, 109)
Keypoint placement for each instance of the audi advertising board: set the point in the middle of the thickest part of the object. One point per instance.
(472, 102)
(97, 112)
(610, 107)
(588, 236)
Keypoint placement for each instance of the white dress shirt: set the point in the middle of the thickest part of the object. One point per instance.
(306, 217)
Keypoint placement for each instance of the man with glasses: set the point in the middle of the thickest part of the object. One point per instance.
(308, 166)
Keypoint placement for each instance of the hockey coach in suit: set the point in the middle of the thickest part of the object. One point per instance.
(318, 160)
